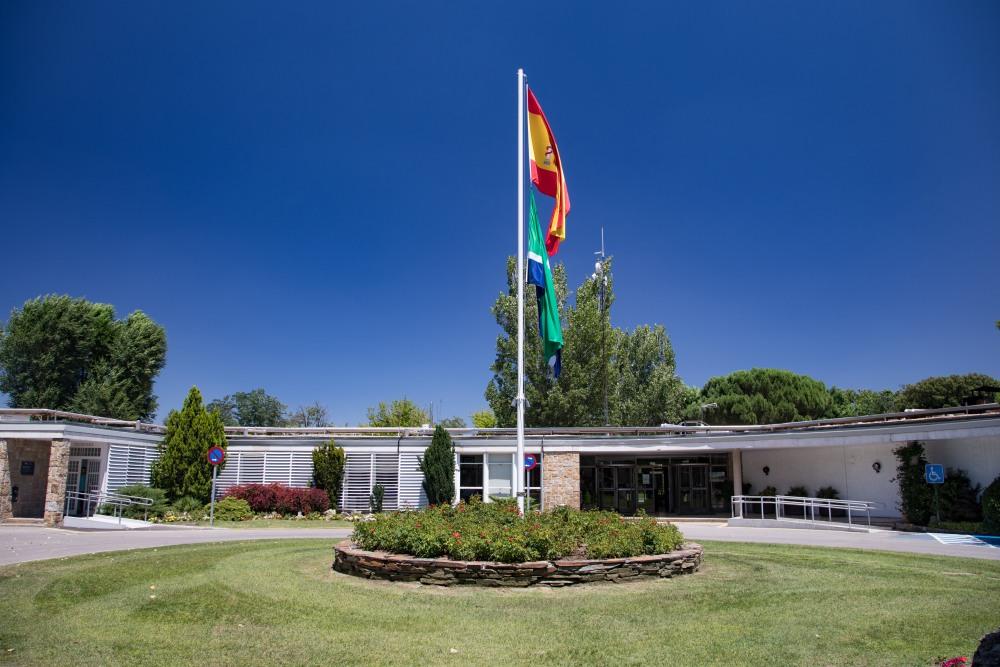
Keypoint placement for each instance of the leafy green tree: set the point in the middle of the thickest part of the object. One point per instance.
(403, 412)
(70, 354)
(182, 468)
(858, 402)
(249, 408)
(765, 396)
(647, 391)
(438, 466)
(484, 419)
(453, 422)
(947, 391)
(309, 416)
(637, 368)
(329, 461)
(916, 498)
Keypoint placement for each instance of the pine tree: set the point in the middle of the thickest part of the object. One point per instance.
(183, 469)
(438, 466)
(328, 469)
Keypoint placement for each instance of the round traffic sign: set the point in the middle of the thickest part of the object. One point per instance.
(530, 462)
(216, 455)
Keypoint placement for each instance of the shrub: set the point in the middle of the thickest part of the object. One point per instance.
(378, 495)
(828, 492)
(266, 498)
(438, 466)
(799, 491)
(188, 505)
(957, 497)
(916, 499)
(157, 509)
(768, 491)
(233, 509)
(991, 507)
(497, 532)
(328, 469)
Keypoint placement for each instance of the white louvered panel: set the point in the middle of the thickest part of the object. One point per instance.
(387, 474)
(411, 482)
(251, 470)
(229, 475)
(302, 469)
(277, 467)
(117, 467)
(138, 466)
(357, 482)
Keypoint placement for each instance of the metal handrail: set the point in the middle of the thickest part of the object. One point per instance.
(808, 505)
(94, 500)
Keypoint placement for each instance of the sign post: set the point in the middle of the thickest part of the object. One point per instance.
(934, 475)
(216, 455)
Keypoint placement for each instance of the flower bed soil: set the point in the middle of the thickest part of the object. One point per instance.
(349, 559)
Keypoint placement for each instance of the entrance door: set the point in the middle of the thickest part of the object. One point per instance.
(625, 496)
(692, 488)
(84, 476)
(651, 493)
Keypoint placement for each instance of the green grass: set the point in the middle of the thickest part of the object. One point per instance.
(279, 602)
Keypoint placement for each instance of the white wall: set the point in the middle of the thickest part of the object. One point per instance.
(847, 469)
(979, 457)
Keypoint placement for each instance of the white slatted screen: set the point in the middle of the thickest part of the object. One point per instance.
(411, 482)
(129, 464)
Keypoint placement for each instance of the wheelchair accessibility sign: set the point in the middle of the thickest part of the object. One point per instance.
(934, 473)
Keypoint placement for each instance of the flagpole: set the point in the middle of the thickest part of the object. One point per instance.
(519, 400)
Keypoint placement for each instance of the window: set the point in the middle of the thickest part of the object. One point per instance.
(470, 476)
(499, 475)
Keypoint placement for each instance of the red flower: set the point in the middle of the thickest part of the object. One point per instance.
(456, 534)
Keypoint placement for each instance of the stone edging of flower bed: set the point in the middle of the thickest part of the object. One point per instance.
(349, 559)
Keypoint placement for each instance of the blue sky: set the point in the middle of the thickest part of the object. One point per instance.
(317, 198)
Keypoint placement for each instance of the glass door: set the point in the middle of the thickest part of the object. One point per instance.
(692, 488)
(625, 496)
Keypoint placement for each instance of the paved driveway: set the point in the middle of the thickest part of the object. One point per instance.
(27, 543)
(19, 544)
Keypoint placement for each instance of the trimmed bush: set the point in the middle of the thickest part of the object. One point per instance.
(916, 498)
(799, 491)
(377, 498)
(188, 505)
(828, 492)
(266, 498)
(438, 466)
(233, 509)
(957, 497)
(157, 509)
(497, 532)
(329, 461)
(991, 507)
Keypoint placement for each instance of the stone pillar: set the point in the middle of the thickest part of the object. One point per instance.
(6, 510)
(55, 490)
(561, 480)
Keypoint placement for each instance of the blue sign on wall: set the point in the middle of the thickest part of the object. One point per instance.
(934, 473)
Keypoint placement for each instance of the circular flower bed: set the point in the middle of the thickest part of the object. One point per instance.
(492, 544)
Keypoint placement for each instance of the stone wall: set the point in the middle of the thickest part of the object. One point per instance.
(348, 559)
(55, 496)
(5, 486)
(561, 480)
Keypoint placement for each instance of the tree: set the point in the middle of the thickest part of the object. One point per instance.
(637, 367)
(765, 396)
(858, 402)
(484, 419)
(948, 391)
(916, 499)
(453, 422)
(309, 416)
(182, 468)
(438, 466)
(403, 412)
(329, 461)
(249, 408)
(70, 354)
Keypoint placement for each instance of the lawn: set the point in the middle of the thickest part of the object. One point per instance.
(279, 602)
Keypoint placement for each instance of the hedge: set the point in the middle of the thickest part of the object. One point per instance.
(266, 498)
(497, 532)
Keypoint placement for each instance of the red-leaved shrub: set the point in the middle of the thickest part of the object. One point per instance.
(280, 498)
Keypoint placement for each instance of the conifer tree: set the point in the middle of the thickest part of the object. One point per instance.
(183, 469)
(328, 469)
(438, 466)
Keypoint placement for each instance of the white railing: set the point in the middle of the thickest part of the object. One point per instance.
(92, 502)
(799, 508)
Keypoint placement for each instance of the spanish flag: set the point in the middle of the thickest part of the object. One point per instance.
(547, 172)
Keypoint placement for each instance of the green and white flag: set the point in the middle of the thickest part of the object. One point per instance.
(540, 275)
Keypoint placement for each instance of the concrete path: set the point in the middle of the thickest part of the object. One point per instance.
(20, 544)
(879, 540)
